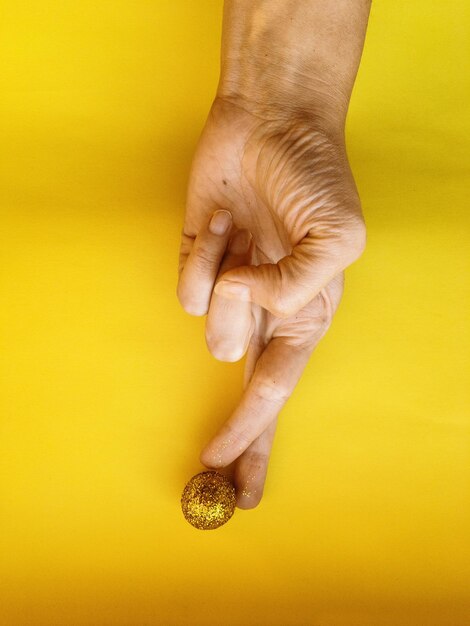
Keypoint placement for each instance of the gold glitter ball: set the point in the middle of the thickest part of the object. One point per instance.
(208, 500)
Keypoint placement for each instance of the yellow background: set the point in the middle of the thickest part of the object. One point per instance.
(108, 391)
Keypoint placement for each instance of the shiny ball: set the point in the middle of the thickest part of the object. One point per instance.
(208, 500)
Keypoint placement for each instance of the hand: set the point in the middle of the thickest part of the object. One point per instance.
(288, 183)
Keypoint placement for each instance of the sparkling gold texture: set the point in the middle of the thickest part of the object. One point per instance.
(208, 500)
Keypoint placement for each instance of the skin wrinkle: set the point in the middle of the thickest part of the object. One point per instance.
(278, 219)
(270, 180)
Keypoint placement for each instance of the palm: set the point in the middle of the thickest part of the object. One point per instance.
(267, 177)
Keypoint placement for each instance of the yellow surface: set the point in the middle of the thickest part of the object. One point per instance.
(108, 391)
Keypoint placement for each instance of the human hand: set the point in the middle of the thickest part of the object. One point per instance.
(291, 188)
(272, 153)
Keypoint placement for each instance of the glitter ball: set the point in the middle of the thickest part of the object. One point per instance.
(208, 500)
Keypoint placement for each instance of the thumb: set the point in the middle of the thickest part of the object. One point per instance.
(285, 287)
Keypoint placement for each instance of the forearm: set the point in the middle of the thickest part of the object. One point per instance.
(292, 57)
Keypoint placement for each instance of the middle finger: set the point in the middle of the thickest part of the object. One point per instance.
(230, 323)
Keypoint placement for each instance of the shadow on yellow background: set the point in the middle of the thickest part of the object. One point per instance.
(108, 391)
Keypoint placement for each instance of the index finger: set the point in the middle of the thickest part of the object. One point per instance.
(276, 374)
(199, 262)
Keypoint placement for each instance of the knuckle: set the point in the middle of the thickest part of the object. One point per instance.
(356, 238)
(222, 349)
(205, 258)
(283, 308)
(285, 302)
(196, 309)
(256, 460)
(209, 460)
(250, 478)
(189, 304)
(180, 294)
(360, 237)
(250, 500)
(271, 390)
(280, 304)
(241, 437)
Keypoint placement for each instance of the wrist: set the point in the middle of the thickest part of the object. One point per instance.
(292, 58)
(277, 95)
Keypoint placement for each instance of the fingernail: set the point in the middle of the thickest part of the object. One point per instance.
(220, 222)
(232, 289)
(240, 242)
